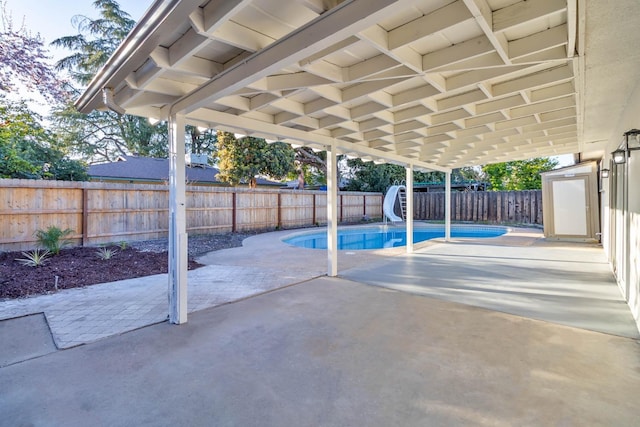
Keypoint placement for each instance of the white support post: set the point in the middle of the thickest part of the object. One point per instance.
(409, 207)
(447, 207)
(177, 222)
(332, 211)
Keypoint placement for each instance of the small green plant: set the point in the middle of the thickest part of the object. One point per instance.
(105, 253)
(35, 258)
(123, 245)
(53, 238)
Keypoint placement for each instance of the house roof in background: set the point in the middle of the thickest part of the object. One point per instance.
(152, 169)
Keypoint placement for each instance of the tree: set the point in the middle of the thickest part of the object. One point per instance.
(102, 135)
(29, 151)
(519, 174)
(243, 159)
(96, 41)
(24, 61)
(202, 141)
(105, 135)
(369, 176)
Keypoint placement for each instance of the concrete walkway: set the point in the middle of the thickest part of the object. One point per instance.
(83, 315)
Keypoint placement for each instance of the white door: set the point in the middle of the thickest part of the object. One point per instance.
(571, 207)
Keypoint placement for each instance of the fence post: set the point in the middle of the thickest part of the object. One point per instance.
(279, 211)
(341, 204)
(85, 216)
(314, 210)
(364, 205)
(233, 212)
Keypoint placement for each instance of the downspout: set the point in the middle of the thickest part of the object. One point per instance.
(107, 98)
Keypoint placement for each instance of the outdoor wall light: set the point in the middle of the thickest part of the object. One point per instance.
(604, 173)
(630, 143)
(619, 156)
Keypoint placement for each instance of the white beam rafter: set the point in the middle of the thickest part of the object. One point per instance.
(525, 11)
(436, 21)
(484, 17)
(464, 51)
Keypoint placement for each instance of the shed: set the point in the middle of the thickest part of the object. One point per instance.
(570, 203)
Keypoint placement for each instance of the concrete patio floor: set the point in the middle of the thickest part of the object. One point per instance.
(522, 273)
(430, 343)
(331, 352)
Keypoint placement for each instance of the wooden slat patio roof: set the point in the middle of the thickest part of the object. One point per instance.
(438, 83)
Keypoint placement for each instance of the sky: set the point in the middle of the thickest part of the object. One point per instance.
(52, 18)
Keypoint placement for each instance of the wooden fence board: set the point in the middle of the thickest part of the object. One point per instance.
(513, 207)
(105, 212)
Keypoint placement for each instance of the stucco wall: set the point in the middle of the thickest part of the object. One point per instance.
(626, 237)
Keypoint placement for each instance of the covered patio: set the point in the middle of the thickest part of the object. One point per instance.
(428, 84)
(556, 346)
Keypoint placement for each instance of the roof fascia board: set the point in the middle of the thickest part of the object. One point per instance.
(140, 43)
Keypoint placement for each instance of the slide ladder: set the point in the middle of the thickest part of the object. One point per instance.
(394, 194)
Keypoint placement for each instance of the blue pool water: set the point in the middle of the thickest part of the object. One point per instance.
(387, 237)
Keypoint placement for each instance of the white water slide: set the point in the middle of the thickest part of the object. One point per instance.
(395, 193)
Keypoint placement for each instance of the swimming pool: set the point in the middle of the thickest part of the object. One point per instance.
(380, 237)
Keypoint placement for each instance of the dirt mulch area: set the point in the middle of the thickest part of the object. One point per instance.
(78, 267)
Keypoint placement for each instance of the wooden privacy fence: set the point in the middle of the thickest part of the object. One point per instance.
(104, 212)
(515, 207)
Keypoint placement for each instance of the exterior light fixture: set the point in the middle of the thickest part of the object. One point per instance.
(632, 139)
(619, 156)
(604, 173)
(630, 143)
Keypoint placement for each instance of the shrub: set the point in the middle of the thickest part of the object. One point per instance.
(106, 253)
(54, 239)
(34, 258)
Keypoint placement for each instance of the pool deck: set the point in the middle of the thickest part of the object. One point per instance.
(519, 273)
(507, 331)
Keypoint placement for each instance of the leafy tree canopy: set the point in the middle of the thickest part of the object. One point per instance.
(96, 40)
(519, 174)
(368, 176)
(29, 151)
(243, 159)
(102, 135)
(105, 135)
(516, 175)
